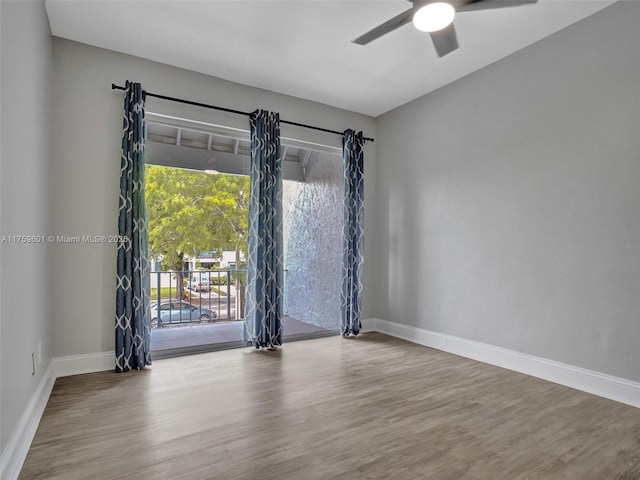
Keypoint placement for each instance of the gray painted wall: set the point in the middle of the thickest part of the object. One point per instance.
(87, 135)
(25, 298)
(508, 202)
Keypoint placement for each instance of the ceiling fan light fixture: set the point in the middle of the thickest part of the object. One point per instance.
(434, 16)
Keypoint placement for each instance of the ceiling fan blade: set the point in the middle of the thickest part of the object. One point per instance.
(475, 5)
(445, 41)
(386, 27)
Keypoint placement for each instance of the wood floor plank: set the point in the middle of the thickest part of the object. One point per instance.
(371, 407)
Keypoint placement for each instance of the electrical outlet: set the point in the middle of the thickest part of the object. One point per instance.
(33, 363)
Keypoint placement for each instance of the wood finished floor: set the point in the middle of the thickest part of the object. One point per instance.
(373, 407)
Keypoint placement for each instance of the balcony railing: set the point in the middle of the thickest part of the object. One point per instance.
(189, 296)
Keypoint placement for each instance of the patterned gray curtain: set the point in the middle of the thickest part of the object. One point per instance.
(263, 318)
(352, 231)
(133, 334)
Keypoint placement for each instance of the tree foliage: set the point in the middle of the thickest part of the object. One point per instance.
(191, 212)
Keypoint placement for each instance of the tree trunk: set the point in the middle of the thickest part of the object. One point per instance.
(180, 278)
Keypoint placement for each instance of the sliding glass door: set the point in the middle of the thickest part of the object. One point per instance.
(313, 248)
(198, 233)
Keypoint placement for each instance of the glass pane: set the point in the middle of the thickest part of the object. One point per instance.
(313, 248)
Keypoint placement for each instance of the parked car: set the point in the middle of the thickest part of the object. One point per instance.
(176, 311)
(199, 284)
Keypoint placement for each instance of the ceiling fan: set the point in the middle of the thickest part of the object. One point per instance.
(436, 17)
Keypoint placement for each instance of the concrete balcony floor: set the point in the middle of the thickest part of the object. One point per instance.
(222, 332)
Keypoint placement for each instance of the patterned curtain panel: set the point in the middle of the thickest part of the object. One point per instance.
(263, 318)
(352, 231)
(133, 333)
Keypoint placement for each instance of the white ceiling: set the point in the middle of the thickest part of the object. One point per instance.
(303, 47)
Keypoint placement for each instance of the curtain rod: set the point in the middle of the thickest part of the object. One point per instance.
(238, 112)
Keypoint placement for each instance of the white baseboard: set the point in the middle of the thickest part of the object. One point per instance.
(368, 325)
(19, 443)
(607, 386)
(88, 363)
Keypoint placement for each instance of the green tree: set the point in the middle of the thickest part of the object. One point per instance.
(191, 212)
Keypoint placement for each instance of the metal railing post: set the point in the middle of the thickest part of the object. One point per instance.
(228, 294)
(159, 292)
